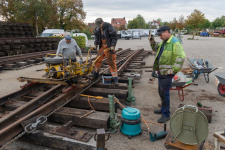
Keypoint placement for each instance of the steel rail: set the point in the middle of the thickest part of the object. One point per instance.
(15, 128)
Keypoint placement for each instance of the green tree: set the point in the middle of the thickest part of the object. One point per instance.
(87, 32)
(160, 21)
(223, 25)
(147, 26)
(141, 21)
(8, 9)
(39, 10)
(181, 23)
(122, 27)
(173, 24)
(205, 25)
(218, 22)
(71, 14)
(133, 24)
(195, 19)
(65, 14)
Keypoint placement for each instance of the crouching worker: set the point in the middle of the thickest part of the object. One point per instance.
(68, 48)
(168, 61)
(106, 37)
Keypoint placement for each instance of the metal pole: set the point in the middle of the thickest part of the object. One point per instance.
(100, 142)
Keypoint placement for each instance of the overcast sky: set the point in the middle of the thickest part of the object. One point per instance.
(151, 9)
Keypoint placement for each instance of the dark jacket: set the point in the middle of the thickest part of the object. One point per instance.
(109, 33)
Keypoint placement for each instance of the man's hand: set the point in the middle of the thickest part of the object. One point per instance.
(169, 72)
(112, 48)
(152, 40)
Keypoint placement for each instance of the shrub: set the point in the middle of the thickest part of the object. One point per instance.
(79, 39)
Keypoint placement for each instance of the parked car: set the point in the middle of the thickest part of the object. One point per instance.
(204, 33)
(52, 32)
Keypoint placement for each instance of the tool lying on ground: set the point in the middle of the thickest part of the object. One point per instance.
(199, 104)
(158, 135)
(98, 97)
(61, 71)
(88, 113)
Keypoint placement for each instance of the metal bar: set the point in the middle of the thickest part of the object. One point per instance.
(100, 141)
(50, 107)
(20, 93)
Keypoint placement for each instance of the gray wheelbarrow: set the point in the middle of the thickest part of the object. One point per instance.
(203, 66)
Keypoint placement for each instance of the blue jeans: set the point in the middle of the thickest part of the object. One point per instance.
(164, 93)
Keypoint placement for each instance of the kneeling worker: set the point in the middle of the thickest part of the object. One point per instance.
(168, 61)
(106, 37)
(68, 48)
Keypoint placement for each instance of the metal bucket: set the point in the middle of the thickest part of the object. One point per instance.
(107, 79)
(188, 125)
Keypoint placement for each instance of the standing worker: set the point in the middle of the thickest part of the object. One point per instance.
(169, 60)
(106, 37)
(68, 48)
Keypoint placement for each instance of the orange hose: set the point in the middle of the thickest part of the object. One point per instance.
(90, 104)
(119, 103)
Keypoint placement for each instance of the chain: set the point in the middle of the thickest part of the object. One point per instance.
(13, 140)
(32, 127)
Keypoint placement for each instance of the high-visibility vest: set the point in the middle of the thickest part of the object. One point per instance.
(173, 56)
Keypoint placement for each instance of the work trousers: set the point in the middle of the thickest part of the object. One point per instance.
(111, 59)
(164, 93)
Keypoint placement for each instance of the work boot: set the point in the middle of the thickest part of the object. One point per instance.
(163, 119)
(115, 79)
(157, 111)
(95, 75)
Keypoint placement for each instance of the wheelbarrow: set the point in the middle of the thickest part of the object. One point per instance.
(180, 85)
(205, 67)
(221, 86)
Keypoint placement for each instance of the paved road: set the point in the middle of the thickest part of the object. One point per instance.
(212, 49)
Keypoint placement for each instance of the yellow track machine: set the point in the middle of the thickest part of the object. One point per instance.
(62, 71)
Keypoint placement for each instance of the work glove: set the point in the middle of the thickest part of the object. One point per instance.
(152, 41)
(81, 61)
(169, 72)
(112, 48)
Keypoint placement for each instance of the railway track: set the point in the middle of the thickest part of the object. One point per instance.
(47, 108)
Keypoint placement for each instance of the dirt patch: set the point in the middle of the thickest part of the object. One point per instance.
(208, 97)
(146, 109)
(189, 90)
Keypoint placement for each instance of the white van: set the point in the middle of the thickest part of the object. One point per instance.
(153, 31)
(52, 32)
(82, 34)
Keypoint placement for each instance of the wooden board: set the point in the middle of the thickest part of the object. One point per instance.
(119, 93)
(48, 139)
(95, 120)
(220, 136)
(82, 102)
(111, 86)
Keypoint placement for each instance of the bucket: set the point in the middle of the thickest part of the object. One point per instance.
(107, 79)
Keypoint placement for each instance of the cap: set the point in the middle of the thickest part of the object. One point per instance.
(162, 29)
(68, 37)
(98, 22)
